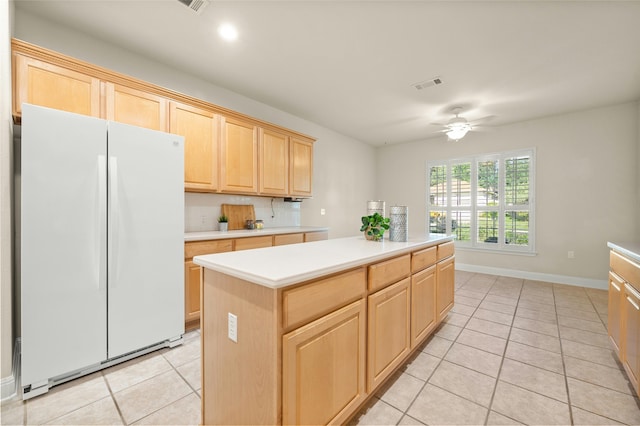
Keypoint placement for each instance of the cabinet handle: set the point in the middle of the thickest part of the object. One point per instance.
(635, 305)
(613, 283)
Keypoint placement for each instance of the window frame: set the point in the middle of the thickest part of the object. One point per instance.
(501, 208)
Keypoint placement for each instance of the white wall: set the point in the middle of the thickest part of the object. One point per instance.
(6, 172)
(638, 170)
(343, 167)
(585, 185)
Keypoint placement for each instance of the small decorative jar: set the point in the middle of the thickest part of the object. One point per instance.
(259, 224)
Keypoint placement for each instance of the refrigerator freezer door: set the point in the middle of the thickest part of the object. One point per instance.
(62, 243)
(146, 237)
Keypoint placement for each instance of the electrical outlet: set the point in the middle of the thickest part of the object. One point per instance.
(571, 254)
(203, 220)
(233, 327)
(323, 212)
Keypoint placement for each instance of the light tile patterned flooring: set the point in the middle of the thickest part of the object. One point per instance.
(511, 352)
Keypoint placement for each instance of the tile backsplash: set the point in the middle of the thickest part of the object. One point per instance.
(201, 210)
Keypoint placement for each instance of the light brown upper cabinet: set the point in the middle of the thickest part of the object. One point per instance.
(238, 156)
(41, 83)
(135, 107)
(274, 163)
(200, 130)
(301, 168)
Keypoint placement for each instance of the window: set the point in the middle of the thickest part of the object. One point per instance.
(485, 202)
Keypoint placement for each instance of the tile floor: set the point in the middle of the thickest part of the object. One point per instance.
(511, 352)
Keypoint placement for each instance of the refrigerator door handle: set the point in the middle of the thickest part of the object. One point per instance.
(101, 227)
(113, 222)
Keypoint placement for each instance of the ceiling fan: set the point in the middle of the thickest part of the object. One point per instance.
(458, 127)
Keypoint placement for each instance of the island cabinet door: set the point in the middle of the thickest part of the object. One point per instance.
(388, 331)
(446, 286)
(423, 305)
(631, 324)
(323, 368)
(614, 320)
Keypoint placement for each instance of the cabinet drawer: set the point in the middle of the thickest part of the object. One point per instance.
(627, 269)
(388, 272)
(312, 300)
(445, 250)
(423, 259)
(206, 247)
(315, 236)
(253, 242)
(281, 240)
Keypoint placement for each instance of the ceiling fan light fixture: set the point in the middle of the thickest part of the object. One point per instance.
(457, 130)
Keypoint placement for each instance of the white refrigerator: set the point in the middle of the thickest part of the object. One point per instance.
(101, 244)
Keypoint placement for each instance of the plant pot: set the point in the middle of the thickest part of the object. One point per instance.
(223, 226)
(372, 237)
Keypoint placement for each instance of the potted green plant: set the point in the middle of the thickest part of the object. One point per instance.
(223, 223)
(374, 226)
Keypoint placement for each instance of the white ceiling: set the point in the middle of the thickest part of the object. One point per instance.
(349, 65)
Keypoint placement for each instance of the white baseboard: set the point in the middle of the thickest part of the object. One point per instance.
(536, 276)
(9, 385)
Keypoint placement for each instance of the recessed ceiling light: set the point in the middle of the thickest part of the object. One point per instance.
(228, 32)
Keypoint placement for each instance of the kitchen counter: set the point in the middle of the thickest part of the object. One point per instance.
(281, 266)
(629, 249)
(242, 233)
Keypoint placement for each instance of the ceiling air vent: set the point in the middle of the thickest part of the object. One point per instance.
(428, 83)
(195, 5)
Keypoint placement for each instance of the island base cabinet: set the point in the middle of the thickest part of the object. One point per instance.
(631, 346)
(242, 376)
(323, 368)
(446, 287)
(423, 305)
(388, 332)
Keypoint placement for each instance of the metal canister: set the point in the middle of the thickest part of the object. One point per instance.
(375, 207)
(399, 223)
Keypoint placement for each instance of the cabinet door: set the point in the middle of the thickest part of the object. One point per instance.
(301, 168)
(274, 163)
(191, 291)
(323, 368)
(388, 331)
(239, 156)
(446, 286)
(135, 107)
(631, 330)
(423, 305)
(199, 128)
(315, 236)
(614, 319)
(51, 86)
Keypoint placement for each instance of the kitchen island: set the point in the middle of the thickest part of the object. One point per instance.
(306, 333)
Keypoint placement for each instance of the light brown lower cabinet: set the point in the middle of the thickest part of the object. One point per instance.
(253, 242)
(631, 346)
(614, 309)
(281, 240)
(423, 305)
(446, 286)
(389, 312)
(325, 354)
(623, 322)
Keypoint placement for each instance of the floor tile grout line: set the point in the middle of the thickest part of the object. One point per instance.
(406, 411)
(113, 397)
(504, 352)
(564, 371)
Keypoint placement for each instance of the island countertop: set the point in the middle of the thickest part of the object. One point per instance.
(243, 233)
(281, 266)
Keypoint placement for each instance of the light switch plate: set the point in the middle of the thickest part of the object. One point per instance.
(233, 327)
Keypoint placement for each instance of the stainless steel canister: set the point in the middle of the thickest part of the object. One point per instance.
(399, 223)
(375, 206)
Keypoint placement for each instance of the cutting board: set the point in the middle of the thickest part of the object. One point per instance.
(238, 214)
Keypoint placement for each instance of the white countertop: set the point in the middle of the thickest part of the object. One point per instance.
(630, 249)
(242, 233)
(282, 266)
